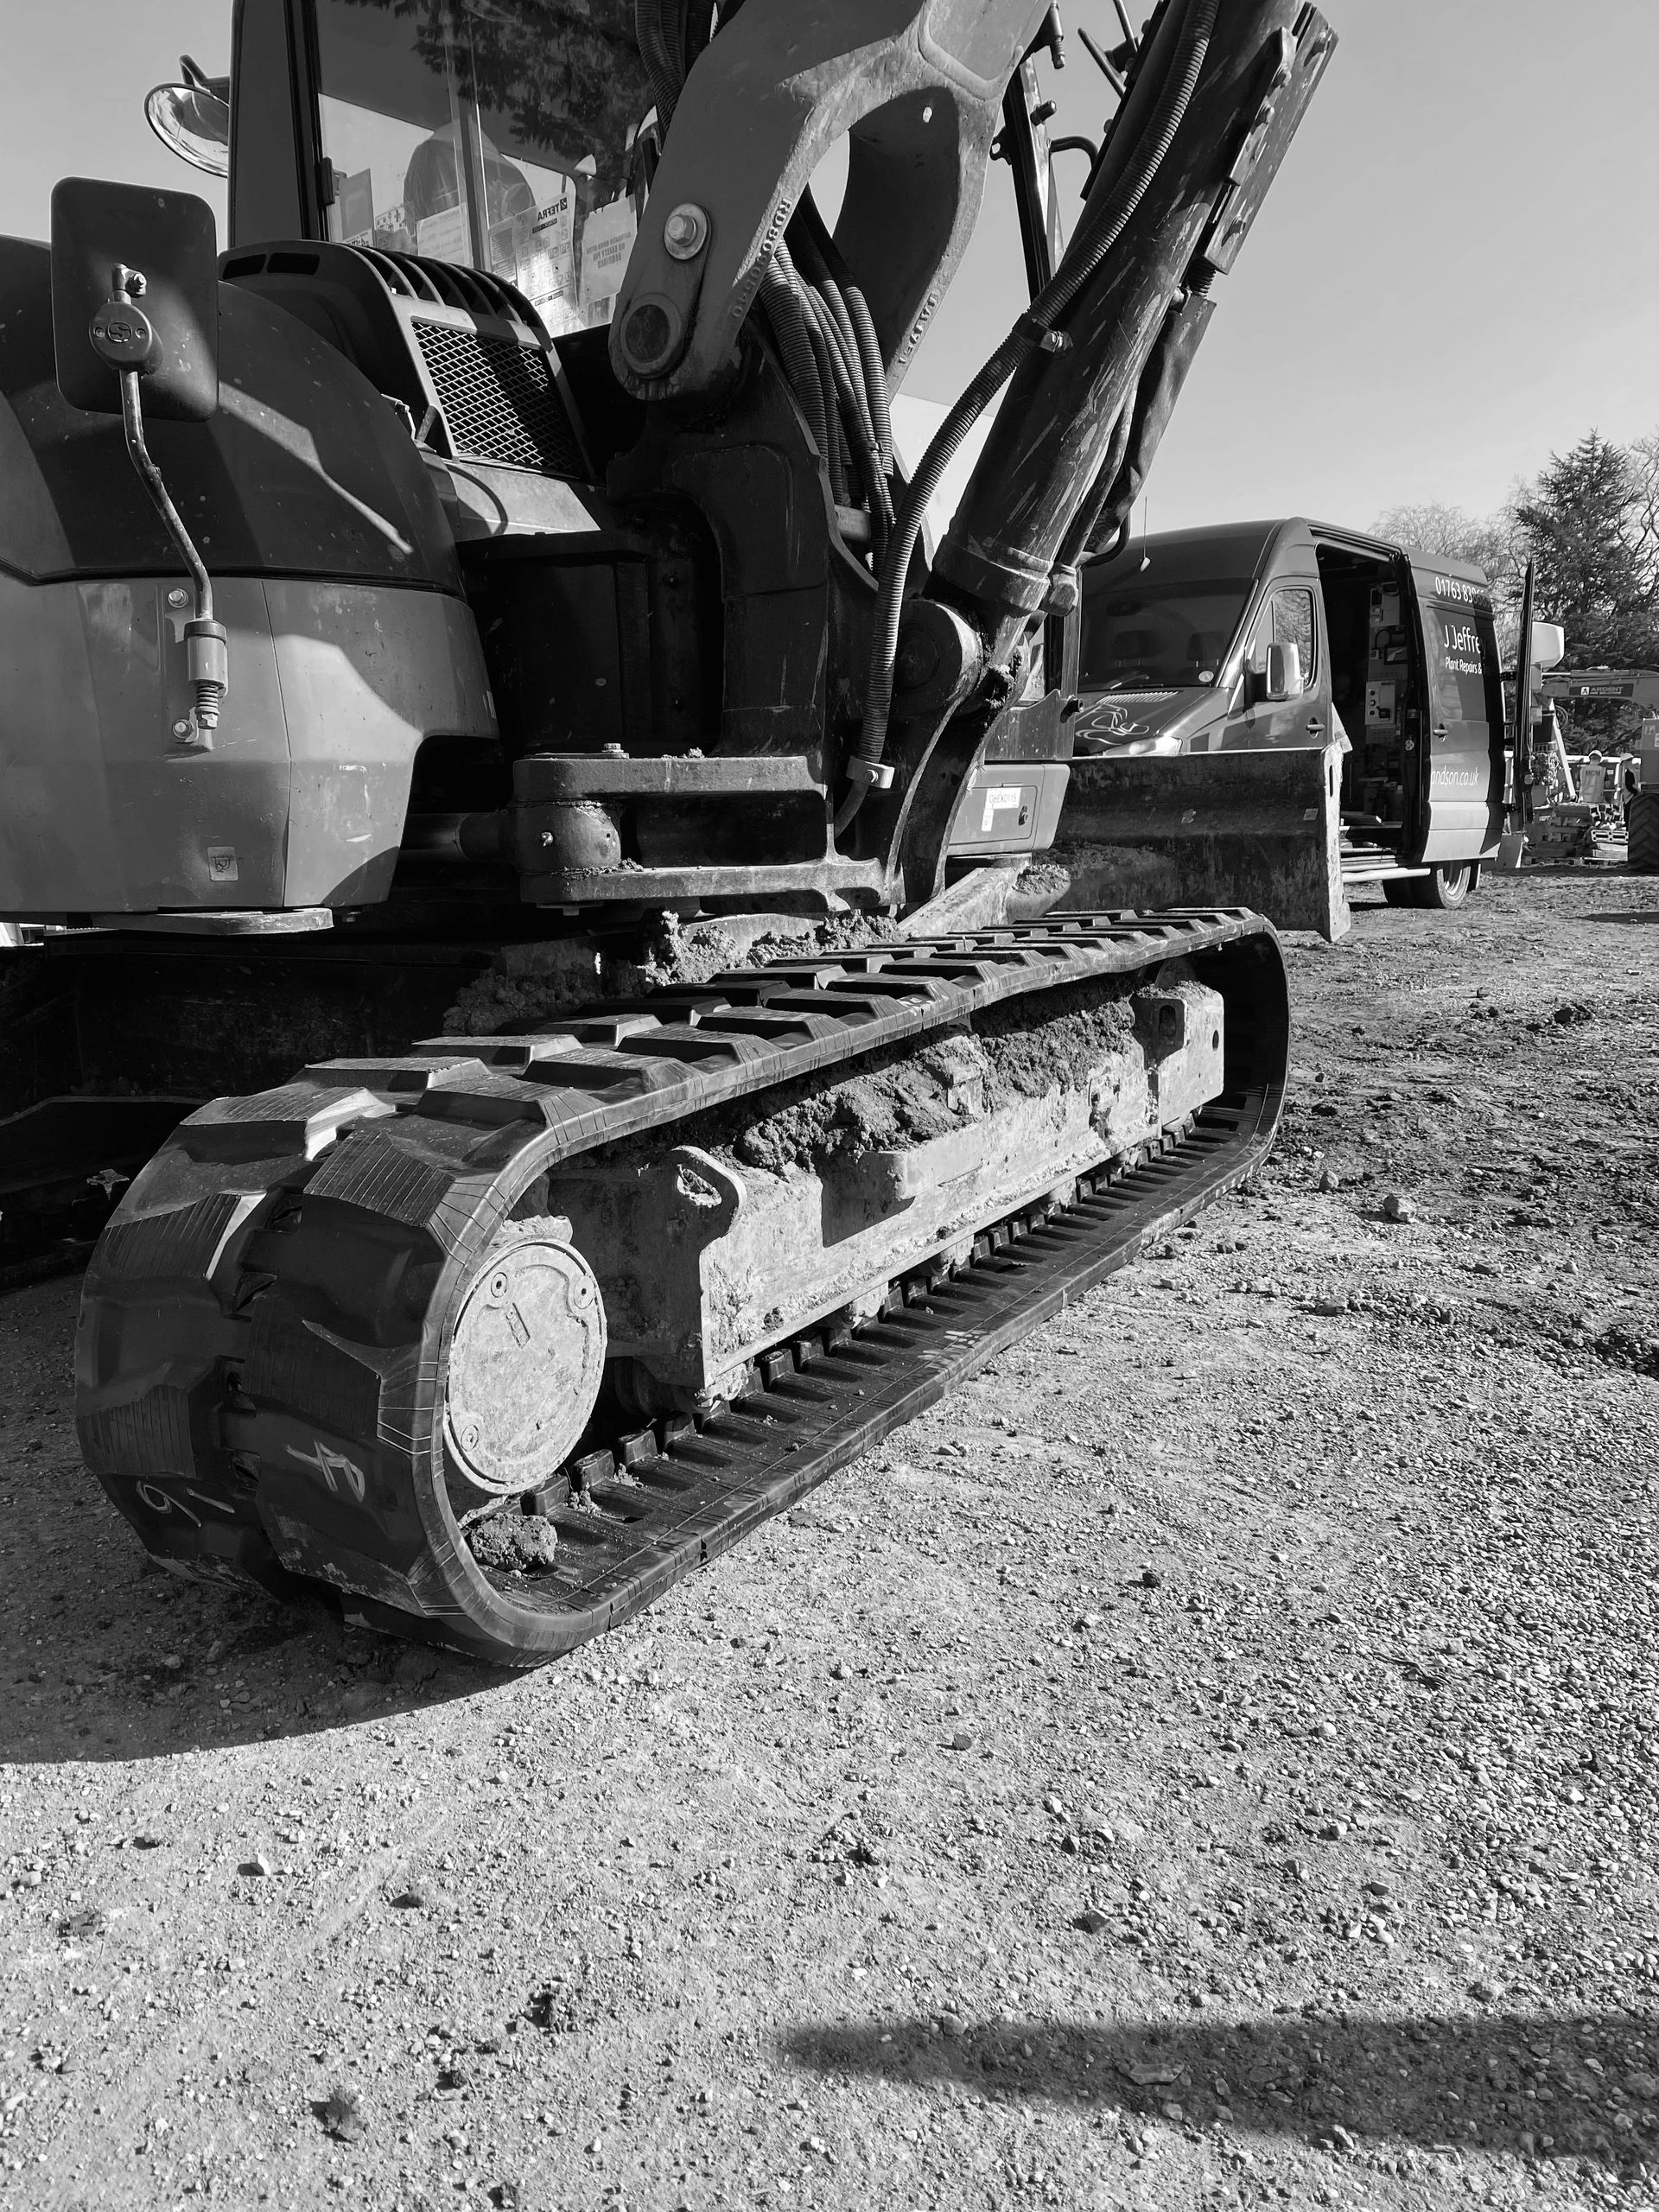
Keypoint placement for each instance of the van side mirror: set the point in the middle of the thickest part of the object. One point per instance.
(168, 331)
(1281, 679)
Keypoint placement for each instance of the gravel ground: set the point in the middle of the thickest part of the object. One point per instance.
(1209, 1760)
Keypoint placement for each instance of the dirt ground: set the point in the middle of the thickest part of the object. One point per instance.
(1210, 1760)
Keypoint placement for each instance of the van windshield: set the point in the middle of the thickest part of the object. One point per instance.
(495, 133)
(1139, 636)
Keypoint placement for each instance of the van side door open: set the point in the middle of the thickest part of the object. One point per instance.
(1463, 719)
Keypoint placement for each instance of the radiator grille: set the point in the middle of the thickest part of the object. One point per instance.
(499, 398)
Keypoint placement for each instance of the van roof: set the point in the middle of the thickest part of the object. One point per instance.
(1238, 550)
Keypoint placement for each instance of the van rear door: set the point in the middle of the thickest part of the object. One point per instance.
(1462, 727)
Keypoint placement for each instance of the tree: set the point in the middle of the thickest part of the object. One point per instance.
(1431, 528)
(1590, 526)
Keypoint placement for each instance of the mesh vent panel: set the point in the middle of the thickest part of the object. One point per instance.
(499, 398)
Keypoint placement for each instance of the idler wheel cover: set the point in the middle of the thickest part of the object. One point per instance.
(525, 1360)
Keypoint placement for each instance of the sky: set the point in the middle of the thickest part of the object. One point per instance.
(1455, 274)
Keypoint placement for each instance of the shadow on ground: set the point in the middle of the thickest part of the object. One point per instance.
(1517, 2084)
(103, 1656)
(145, 1667)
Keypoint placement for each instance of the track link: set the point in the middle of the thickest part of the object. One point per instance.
(260, 1358)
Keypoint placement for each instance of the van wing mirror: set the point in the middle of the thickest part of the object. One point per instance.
(167, 330)
(1547, 644)
(1282, 679)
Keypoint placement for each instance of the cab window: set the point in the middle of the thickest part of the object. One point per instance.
(1288, 619)
(493, 133)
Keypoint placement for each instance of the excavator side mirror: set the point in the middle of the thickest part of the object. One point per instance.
(168, 328)
(193, 120)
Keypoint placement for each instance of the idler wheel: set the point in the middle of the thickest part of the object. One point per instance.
(526, 1359)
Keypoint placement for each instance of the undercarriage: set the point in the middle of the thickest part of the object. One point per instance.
(501, 1337)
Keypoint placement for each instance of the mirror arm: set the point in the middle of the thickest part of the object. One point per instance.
(121, 334)
(132, 421)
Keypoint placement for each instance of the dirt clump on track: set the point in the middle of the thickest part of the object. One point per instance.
(904, 1095)
(1210, 1759)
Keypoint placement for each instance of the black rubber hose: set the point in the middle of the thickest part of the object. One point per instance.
(847, 366)
(657, 50)
(835, 445)
(1024, 338)
(822, 262)
(787, 317)
(841, 461)
(875, 374)
(861, 436)
(699, 29)
(831, 295)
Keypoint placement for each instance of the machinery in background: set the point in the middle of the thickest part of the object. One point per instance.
(1587, 809)
(1623, 792)
(492, 571)
(1627, 699)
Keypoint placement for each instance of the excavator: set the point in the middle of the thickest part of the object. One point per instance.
(490, 576)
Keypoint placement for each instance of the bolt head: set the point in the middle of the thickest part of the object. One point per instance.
(177, 596)
(182, 729)
(686, 232)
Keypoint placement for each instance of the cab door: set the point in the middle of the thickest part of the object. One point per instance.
(1461, 725)
(1290, 614)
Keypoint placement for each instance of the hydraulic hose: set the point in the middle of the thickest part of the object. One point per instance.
(854, 418)
(658, 41)
(670, 35)
(835, 446)
(1027, 335)
(875, 375)
(847, 369)
(824, 264)
(787, 316)
(856, 397)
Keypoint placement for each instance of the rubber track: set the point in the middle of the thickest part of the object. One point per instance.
(260, 1359)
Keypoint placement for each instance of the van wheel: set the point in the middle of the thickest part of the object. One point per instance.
(1443, 889)
(1447, 888)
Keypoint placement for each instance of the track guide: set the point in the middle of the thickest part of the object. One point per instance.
(265, 1326)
